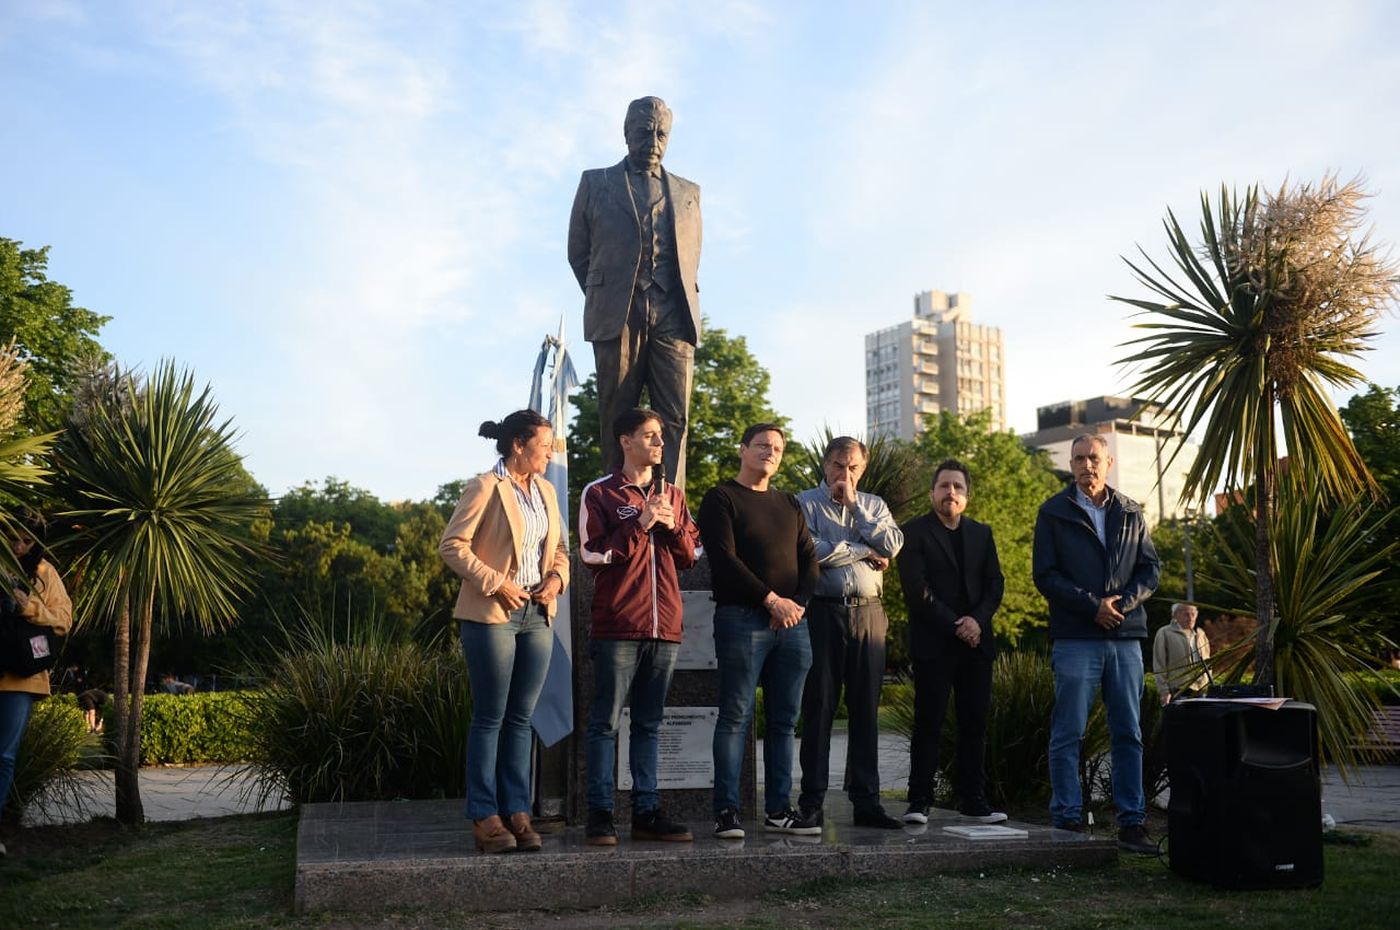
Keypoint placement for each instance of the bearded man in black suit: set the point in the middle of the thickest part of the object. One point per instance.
(634, 245)
(952, 586)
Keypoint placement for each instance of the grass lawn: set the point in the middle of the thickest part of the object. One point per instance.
(237, 872)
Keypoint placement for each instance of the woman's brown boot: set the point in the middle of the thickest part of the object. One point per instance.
(492, 836)
(526, 839)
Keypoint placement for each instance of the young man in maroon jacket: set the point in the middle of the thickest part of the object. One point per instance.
(634, 533)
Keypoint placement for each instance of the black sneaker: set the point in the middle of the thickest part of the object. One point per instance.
(814, 815)
(877, 818)
(1134, 839)
(790, 821)
(917, 813)
(728, 825)
(655, 825)
(600, 830)
(979, 810)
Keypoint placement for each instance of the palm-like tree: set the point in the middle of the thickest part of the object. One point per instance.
(1258, 322)
(1331, 559)
(148, 479)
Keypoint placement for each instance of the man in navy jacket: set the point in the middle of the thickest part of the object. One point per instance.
(1095, 563)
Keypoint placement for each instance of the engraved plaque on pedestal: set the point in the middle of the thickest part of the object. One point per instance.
(684, 757)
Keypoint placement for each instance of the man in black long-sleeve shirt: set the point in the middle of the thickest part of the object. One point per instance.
(763, 570)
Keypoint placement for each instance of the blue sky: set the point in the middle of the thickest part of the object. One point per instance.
(350, 217)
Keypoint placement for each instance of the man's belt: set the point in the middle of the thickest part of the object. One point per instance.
(847, 601)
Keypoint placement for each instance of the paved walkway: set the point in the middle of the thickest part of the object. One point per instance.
(1372, 799)
(167, 793)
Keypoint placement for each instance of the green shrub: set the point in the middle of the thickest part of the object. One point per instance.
(193, 728)
(46, 769)
(362, 721)
(1383, 684)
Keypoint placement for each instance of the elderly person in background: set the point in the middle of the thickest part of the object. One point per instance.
(505, 540)
(38, 598)
(1179, 655)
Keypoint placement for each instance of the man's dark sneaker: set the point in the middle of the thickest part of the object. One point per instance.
(979, 810)
(877, 818)
(790, 821)
(655, 825)
(1134, 839)
(728, 826)
(1071, 826)
(814, 814)
(600, 830)
(917, 813)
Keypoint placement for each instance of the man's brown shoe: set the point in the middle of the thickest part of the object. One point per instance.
(526, 839)
(492, 836)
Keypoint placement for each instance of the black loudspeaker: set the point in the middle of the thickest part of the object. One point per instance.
(1246, 797)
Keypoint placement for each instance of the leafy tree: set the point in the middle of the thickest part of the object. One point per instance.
(158, 506)
(370, 520)
(1373, 419)
(21, 466)
(52, 335)
(730, 393)
(1009, 483)
(1258, 322)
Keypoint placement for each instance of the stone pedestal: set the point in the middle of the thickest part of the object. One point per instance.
(690, 688)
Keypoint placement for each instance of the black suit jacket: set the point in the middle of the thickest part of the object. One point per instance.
(928, 571)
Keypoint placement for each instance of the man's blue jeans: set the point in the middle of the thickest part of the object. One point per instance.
(622, 668)
(1081, 667)
(15, 707)
(750, 653)
(506, 664)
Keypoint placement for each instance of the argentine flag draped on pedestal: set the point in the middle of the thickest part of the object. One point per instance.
(554, 714)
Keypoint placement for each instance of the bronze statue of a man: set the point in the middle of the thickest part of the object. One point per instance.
(634, 244)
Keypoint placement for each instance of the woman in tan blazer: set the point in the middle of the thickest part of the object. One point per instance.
(40, 599)
(505, 540)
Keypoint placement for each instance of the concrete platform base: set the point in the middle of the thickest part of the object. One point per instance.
(360, 858)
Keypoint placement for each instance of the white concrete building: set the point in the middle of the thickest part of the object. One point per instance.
(1140, 439)
(939, 360)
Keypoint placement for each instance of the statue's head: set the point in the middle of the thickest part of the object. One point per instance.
(647, 127)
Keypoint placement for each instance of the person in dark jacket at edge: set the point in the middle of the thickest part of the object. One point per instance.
(635, 533)
(1094, 562)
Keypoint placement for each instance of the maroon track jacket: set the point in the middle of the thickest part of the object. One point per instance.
(637, 594)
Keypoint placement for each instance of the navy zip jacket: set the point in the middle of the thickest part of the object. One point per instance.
(1074, 572)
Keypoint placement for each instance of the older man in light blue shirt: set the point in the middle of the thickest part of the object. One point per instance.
(855, 537)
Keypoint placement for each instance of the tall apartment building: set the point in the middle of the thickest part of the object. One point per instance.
(939, 360)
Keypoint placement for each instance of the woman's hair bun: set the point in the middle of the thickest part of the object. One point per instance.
(490, 429)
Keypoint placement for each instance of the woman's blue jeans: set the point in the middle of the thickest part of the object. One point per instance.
(506, 663)
(15, 707)
(1082, 667)
(750, 653)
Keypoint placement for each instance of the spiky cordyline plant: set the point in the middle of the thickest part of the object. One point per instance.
(150, 484)
(1331, 560)
(1259, 321)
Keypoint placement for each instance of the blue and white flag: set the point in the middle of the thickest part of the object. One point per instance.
(554, 714)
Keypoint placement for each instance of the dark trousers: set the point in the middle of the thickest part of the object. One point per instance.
(966, 673)
(656, 351)
(848, 648)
